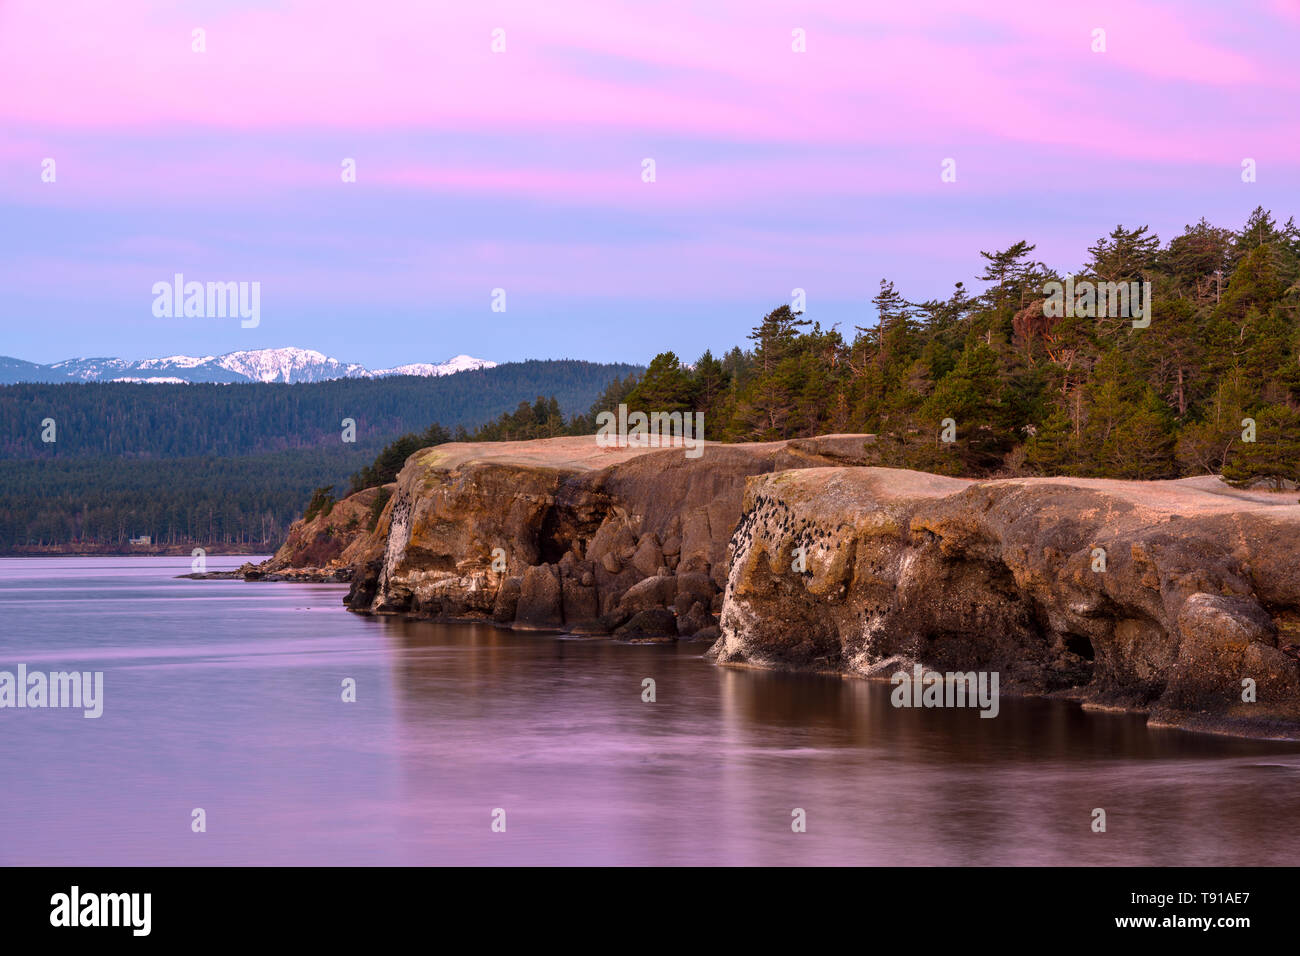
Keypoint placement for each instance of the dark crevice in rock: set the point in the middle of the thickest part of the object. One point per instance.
(1081, 646)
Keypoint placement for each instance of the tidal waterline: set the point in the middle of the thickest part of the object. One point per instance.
(228, 697)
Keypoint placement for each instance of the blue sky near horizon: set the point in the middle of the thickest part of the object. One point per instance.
(521, 170)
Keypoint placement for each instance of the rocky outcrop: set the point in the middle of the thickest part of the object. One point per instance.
(325, 547)
(563, 534)
(1177, 599)
(1174, 598)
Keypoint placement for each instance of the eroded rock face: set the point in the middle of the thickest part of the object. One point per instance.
(1157, 596)
(324, 546)
(562, 534)
(1161, 597)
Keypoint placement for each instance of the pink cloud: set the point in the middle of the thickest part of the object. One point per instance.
(873, 74)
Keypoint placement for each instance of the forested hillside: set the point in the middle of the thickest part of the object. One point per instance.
(247, 500)
(227, 465)
(1028, 393)
(121, 419)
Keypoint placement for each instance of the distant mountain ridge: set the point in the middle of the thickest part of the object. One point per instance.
(230, 464)
(169, 420)
(252, 365)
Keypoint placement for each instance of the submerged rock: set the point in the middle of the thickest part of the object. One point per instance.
(654, 623)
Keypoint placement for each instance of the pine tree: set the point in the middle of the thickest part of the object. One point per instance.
(1128, 433)
(1052, 449)
(1274, 455)
(1260, 230)
(1124, 255)
(972, 395)
(711, 381)
(665, 387)
(1009, 271)
(776, 336)
(1199, 261)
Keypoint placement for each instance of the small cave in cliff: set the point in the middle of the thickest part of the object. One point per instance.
(1081, 645)
(553, 540)
(563, 526)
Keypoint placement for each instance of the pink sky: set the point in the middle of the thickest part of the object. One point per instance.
(769, 162)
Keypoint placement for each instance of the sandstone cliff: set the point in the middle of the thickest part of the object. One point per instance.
(1160, 597)
(326, 546)
(564, 534)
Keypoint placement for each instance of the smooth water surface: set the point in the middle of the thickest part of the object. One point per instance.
(227, 696)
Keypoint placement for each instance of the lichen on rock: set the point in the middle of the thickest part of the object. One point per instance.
(1199, 592)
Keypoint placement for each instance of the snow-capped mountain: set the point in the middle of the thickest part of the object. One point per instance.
(288, 365)
(458, 363)
(255, 365)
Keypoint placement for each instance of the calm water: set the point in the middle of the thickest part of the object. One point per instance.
(226, 696)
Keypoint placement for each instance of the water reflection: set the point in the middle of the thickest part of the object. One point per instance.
(711, 771)
(227, 696)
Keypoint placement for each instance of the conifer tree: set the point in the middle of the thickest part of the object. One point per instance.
(1274, 455)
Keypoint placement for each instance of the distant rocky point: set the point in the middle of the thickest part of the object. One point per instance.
(256, 365)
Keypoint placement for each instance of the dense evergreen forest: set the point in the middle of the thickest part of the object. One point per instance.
(247, 500)
(225, 465)
(1025, 392)
(123, 419)
(1033, 394)
(1029, 393)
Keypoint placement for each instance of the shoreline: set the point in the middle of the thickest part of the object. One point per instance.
(1235, 728)
(1192, 723)
(137, 552)
(1176, 599)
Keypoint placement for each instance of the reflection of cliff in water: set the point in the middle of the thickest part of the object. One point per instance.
(555, 731)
